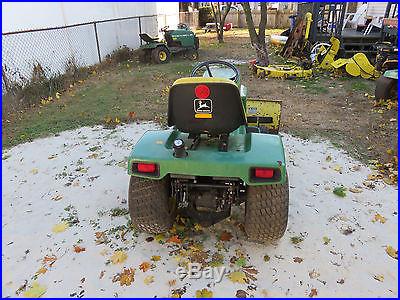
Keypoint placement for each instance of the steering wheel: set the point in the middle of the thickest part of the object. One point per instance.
(210, 63)
(165, 28)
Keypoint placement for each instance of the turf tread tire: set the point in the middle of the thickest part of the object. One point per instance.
(148, 204)
(267, 209)
(384, 88)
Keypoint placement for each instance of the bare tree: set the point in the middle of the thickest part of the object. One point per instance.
(257, 39)
(219, 18)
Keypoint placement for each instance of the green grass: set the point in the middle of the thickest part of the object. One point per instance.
(113, 94)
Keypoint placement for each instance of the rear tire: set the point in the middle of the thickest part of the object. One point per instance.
(267, 208)
(150, 207)
(384, 88)
(160, 55)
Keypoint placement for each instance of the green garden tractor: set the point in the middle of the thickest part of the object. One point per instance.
(181, 40)
(221, 149)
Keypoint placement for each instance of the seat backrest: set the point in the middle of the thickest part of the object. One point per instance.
(205, 105)
(148, 39)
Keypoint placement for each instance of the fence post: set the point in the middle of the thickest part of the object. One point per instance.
(97, 41)
(140, 30)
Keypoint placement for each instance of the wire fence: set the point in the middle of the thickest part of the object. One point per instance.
(52, 51)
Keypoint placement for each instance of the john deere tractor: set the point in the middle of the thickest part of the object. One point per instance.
(181, 40)
(221, 149)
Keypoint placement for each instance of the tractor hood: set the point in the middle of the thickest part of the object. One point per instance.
(245, 151)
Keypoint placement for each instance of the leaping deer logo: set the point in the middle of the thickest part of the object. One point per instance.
(203, 105)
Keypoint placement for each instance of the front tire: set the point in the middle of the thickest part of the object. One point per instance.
(160, 55)
(150, 207)
(267, 209)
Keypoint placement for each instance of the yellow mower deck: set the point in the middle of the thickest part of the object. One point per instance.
(282, 71)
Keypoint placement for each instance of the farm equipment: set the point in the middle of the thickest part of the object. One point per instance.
(283, 71)
(181, 40)
(222, 149)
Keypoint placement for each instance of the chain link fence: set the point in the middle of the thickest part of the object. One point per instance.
(50, 52)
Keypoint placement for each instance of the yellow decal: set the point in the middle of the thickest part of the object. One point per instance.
(203, 116)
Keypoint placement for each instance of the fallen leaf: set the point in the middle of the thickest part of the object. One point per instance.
(237, 277)
(145, 266)
(225, 236)
(149, 239)
(241, 294)
(326, 240)
(313, 274)
(49, 260)
(126, 277)
(155, 258)
(391, 252)
(148, 279)
(102, 274)
(171, 282)
(313, 293)
(379, 277)
(297, 259)
(34, 171)
(35, 291)
(340, 191)
(296, 239)
(118, 257)
(100, 237)
(41, 270)
(266, 258)
(355, 190)
(79, 249)
(379, 218)
(240, 262)
(204, 293)
(57, 197)
(60, 227)
(197, 227)
(337, 168)
(328, 158)
(52, 156)
(174, 239)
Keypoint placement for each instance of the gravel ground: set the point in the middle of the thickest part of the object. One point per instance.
(66, 231)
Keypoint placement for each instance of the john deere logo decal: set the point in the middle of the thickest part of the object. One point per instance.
(203, 106)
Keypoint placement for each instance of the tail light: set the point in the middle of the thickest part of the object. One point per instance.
(259, 174)
(263, 173)
(146, 168)
(150, 169)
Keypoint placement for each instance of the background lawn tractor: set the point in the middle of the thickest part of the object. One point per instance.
(221, 149)
(181, 40)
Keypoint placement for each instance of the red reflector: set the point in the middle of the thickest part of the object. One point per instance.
(264, 173)
(202, 91)
(146, 168)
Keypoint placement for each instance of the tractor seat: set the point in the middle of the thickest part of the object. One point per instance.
(148, 39)
(205, 105)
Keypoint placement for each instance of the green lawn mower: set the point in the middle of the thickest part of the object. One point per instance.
(181, 40)
(221, 149)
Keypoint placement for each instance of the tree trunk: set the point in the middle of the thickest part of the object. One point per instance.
(219, 19)
(257, 39)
